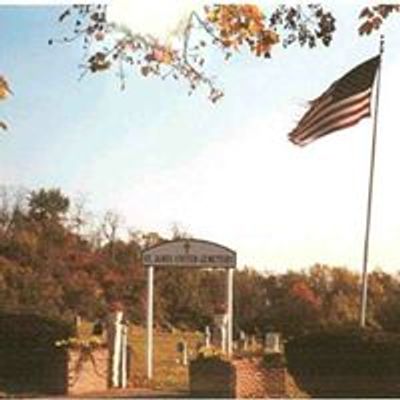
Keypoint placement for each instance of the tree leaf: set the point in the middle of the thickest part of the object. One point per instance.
(3, 125)
(4, 88)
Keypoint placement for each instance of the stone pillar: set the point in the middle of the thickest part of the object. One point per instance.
(117, 334)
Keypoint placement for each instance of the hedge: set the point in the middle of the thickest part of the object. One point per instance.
(345, 352)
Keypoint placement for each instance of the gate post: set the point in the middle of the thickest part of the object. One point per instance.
(229, 298)
(116, 356)
(124, 356)
(150, 309)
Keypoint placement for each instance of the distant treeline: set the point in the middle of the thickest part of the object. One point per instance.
(59, 261)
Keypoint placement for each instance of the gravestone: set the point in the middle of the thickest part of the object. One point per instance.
(242, 341)
(207, 337)
(219, 337)
(182, 349)
(273, 343)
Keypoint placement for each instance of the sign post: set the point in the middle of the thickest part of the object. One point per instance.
(150, 309)
(116, 358)
(187, 253)
(229, 298)
(124, 357)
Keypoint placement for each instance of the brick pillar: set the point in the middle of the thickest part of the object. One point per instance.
(250, 379)
(276, 382)
(87, 371)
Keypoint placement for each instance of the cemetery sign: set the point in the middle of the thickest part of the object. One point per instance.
(193, 253)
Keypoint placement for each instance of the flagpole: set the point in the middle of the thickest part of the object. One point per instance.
(364, 289)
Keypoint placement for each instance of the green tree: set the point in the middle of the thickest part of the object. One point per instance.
(179, 298)
(48, 206)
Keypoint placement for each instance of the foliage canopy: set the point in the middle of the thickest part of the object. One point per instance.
(230, 28)
(50, 267)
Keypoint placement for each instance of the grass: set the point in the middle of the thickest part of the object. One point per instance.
(169, 373)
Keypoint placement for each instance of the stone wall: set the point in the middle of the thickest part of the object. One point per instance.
(87, 371)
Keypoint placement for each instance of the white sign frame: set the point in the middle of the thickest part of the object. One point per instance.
(187, 253)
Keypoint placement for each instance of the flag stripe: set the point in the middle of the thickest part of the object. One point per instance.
(342, 124)
(362, 113)
(314, 110)
(332, 107)
(343, 104)
(327, 121)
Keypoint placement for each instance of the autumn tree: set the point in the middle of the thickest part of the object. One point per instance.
(65, 274)
(178, 300)
(4, 92)
(338, 289)
(373, 17)
(79, 217)
(251, 301)
(300, 306)
(110, 226)
(230, 28)
(12, 204)
(384, 308)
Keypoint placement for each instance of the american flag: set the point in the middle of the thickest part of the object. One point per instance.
(345, 103)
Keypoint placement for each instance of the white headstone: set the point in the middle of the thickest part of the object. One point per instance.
(273, 342)
(221, 322)
(207, 335)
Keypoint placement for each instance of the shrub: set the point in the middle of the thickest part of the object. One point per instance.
(351, 352)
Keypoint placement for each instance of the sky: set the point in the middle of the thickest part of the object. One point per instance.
(224, 172)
